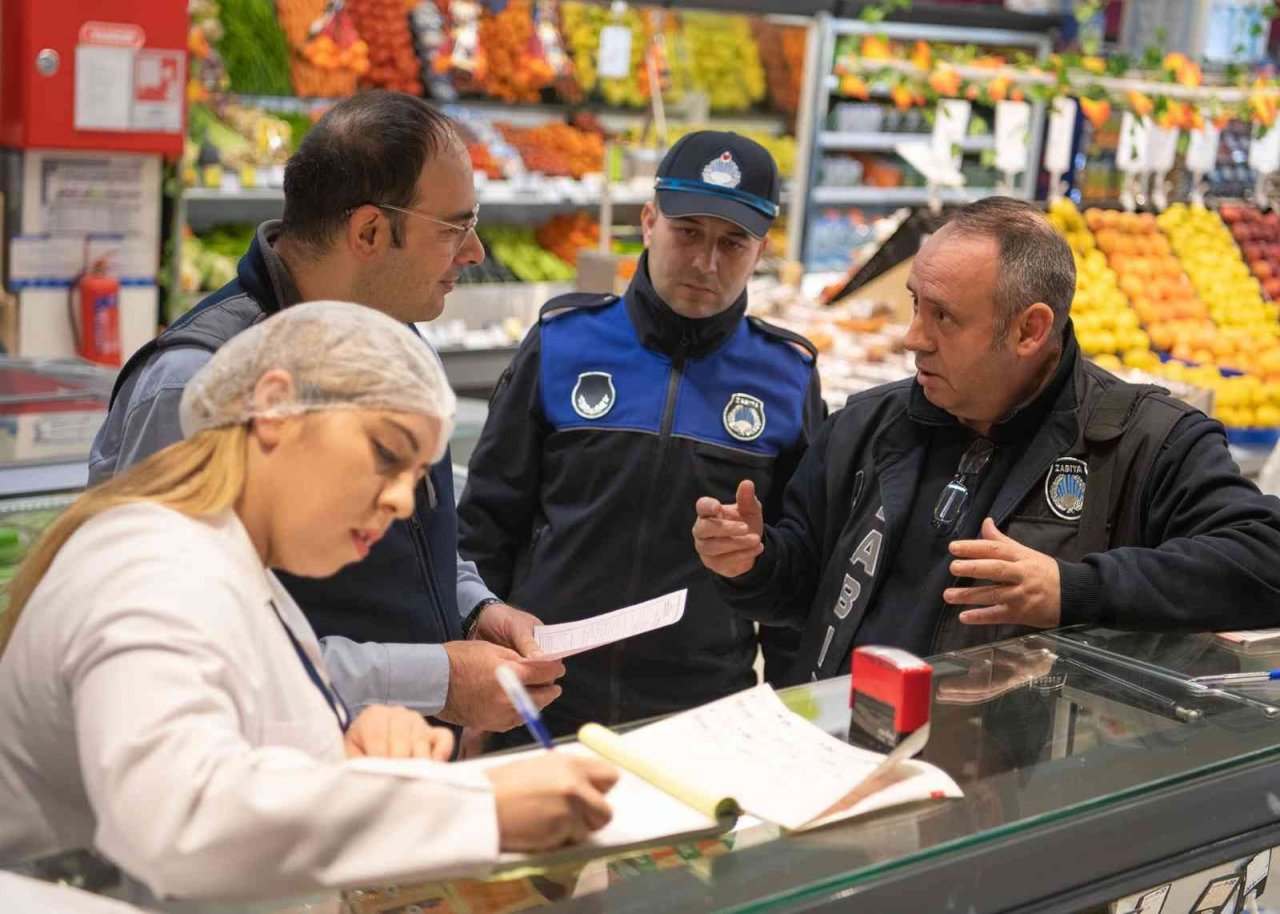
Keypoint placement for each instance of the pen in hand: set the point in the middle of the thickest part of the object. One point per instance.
(524, 705)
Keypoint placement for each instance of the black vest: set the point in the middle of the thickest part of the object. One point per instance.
(405, 591)
(1115, 429)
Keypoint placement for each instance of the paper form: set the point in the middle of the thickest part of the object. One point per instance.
(778, 766)
(570, 638)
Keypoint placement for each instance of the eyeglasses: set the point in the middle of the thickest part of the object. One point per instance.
(953, 503)
(461, 230)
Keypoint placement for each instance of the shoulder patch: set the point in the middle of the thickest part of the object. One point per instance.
(574, 301)
(806, 349)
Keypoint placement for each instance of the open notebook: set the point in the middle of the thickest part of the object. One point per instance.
(693, 774)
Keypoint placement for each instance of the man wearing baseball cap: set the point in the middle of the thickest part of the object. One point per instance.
(618, 413)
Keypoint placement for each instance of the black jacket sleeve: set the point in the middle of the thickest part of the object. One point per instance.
(779, 644)
(780, 588)
(1211, 554)
(498, 506)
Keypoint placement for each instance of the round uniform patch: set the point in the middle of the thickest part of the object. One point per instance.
(744, 417)
(1064, 487)
(594, 395)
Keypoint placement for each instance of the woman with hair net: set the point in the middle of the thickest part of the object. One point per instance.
(161, 695)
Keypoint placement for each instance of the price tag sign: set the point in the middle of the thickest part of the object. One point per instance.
(1264, 151)
(949, 128)
(1162, 149)
(1062, 128)
(1132, 155)
(1202, 150)
(614, 55)
(1013, 128)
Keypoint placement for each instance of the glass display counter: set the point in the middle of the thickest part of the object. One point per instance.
(50, 410)
(1092, 769)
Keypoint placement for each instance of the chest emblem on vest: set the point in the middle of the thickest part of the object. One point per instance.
(593, 396)
(744, 417)
(1064, 486)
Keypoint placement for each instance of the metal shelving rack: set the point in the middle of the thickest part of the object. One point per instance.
(814, 139)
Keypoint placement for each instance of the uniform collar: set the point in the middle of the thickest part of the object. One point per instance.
(662, 329)
(1021, 424)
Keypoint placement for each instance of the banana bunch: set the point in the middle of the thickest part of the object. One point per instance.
(724, 59)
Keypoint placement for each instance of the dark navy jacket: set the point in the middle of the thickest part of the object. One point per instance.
(405, 590)
(1166, 533)
(614, 417)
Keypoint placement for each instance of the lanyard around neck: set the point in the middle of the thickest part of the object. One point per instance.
(332, 698)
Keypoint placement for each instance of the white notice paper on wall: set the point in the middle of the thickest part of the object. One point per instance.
(158, 86)
(103, 87)
(570, 638)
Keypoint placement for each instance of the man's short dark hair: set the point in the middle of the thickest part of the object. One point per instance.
(1034, 264)
(369, 148)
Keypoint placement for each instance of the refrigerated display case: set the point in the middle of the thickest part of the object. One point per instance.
(1092, 769)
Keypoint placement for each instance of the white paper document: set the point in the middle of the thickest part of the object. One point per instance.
(777, 765)
(569, 638)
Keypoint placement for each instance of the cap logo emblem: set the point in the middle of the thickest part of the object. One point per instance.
(722, 171)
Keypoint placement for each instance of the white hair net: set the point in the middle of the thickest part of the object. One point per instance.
(339, 355)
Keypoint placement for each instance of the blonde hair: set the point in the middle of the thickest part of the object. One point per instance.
(200, 477)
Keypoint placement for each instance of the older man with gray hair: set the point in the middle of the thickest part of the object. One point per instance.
(1010, 484)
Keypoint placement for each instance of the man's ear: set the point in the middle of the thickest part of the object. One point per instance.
(648, 219)
(368, 233)
(1034, 329)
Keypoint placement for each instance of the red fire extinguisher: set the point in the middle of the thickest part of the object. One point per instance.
(97, 330)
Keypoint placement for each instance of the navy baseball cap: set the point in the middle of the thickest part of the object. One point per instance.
(720, 174)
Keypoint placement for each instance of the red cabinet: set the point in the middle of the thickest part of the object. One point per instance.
(125, 58)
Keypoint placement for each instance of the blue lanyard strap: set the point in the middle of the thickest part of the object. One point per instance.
(332, 698)
(760, 204)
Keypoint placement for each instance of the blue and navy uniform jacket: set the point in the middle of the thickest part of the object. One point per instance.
(615, 416)
(405, 590)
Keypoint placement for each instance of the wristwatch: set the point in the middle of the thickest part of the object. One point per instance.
(473, 618)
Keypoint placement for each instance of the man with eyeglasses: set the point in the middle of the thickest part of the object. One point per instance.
(1010, 485)
(617, 412)
(380, 210)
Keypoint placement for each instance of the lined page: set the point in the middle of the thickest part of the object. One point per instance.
(777, 765)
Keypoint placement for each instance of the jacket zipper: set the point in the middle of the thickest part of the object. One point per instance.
(642, 544)
(424, 566)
